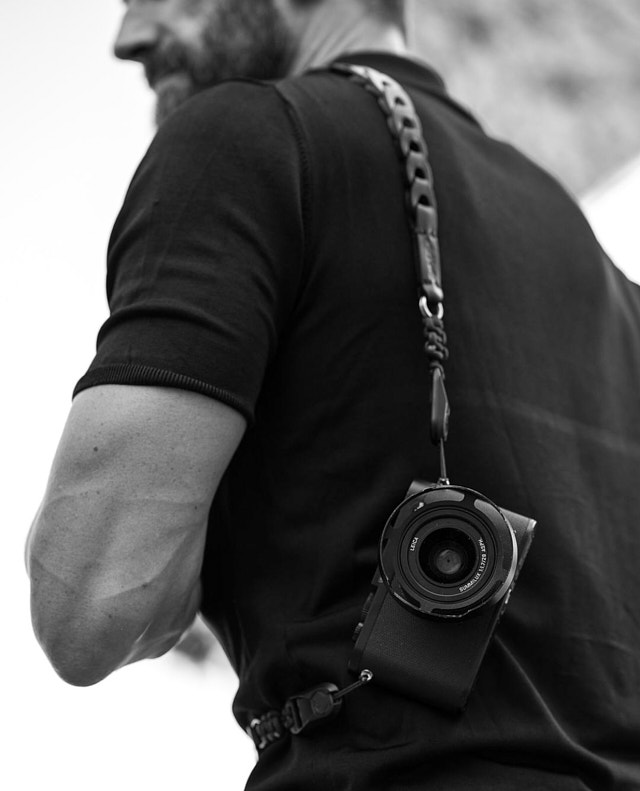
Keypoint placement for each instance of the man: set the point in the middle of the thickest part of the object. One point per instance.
(259, 404)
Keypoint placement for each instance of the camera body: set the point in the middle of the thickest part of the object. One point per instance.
(448, 561)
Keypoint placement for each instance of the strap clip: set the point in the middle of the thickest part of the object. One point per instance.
(302, 711)
(309, 707)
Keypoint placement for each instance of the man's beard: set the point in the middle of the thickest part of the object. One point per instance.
(242, 38)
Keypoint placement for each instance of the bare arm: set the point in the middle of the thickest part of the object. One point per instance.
(115, 551)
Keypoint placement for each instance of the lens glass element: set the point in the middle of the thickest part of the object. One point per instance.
(448, 556)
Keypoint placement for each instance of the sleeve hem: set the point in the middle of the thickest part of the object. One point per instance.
(147, 376)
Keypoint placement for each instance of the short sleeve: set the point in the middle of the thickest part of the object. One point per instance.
(206, 256)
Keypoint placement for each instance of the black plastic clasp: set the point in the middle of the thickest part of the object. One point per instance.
(316, 704)
(319, 703)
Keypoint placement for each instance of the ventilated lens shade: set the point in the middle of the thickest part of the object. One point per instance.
(447, 551)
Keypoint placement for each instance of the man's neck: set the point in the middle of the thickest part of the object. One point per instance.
(324, 36)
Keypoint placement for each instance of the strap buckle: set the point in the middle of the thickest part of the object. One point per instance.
(309, 707)
(301, 712)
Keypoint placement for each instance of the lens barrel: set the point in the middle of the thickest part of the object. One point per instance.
(447, 551)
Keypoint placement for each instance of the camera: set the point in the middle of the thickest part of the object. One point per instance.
(448, 562)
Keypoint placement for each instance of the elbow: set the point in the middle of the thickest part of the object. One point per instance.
(87, 659)
(84, 638)
(77, 667)
(80, 656)
(77, 673)
(85, 643)
(87, 635)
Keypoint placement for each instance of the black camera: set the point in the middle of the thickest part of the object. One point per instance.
(448, 561)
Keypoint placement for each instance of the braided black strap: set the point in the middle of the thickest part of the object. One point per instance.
(406, 131)
(267, 729)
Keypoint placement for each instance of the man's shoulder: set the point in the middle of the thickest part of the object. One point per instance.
(237, 123)
(249, 104)
(229, 102)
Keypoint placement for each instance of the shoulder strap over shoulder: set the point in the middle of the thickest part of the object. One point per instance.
(405, 128)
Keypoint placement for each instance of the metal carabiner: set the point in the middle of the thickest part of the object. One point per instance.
(425, 310)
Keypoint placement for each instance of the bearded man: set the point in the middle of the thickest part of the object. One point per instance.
(260, 403)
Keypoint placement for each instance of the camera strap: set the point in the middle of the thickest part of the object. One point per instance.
(320, 703)
(420, 200)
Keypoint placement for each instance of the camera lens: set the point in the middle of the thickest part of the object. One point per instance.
(448, 556)
(447, 551)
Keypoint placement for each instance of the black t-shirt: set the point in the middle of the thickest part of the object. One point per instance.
(263, 258)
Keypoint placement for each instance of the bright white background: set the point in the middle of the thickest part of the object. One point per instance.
(74, 125)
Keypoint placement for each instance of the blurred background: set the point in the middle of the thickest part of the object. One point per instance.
(561, 80)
